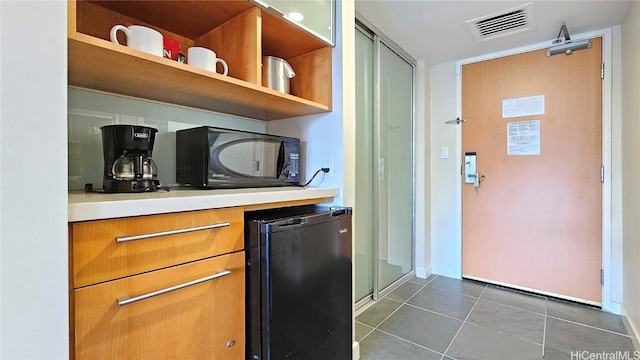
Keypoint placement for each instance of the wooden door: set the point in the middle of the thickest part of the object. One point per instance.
(534, 222)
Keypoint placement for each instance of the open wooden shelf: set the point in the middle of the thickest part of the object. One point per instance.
(236, 30)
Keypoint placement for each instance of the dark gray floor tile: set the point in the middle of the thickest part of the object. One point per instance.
(516, 299)
(563, 338)
(378, 312)
(405, 291)
(443, 302)
(362, 330)
(466, 287)
(521, 324)
(586, 315)
(477, 343)
(422, 327)
(380, 346)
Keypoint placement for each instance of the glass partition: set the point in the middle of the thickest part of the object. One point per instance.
(384, 167)
(364, 214)
(395, 167)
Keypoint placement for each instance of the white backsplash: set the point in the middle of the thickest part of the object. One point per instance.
(89, 110)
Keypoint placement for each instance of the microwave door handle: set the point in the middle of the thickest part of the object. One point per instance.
(280, 164)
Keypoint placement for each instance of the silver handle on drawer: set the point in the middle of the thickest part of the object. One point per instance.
(171, 232)
(127, 301)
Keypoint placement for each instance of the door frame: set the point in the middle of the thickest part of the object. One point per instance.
(610, 249)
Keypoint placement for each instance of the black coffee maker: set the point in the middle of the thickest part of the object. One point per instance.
(128, 166)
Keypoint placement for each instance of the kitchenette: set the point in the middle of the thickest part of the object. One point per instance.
(167, 263)
(160, 192)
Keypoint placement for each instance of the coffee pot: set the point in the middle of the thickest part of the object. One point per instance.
(276, 73)
(128, 166)
(134, 167)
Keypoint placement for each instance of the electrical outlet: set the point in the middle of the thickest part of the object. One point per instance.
(328, 161)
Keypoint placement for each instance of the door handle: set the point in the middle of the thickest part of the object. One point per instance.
(477, 178)
(476, 183)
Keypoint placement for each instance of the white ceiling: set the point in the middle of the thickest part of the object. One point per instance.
(435, 31)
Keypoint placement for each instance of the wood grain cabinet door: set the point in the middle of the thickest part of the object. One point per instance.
(109, 249)
(193, 311)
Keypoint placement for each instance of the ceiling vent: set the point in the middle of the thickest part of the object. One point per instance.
(506, 23)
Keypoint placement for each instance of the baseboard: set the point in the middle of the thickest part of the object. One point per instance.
(356, 350)
(632, 329)
(423, 273)
(612, 307)
(448, 272)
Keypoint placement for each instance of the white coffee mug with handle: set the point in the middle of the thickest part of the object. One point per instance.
(140, 38)
(205, 59)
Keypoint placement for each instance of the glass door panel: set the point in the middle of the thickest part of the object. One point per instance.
(384, 168)
(395, 167)
(364, 214)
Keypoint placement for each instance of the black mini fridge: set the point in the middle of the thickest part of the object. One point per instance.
(299, 284)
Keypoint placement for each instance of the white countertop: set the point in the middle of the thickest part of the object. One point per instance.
(92, 206)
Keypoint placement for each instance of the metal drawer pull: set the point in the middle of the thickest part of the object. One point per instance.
(171, 232)
(127, 301)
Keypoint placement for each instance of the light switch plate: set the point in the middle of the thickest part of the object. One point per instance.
(444, 152)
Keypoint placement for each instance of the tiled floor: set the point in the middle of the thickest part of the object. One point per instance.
(442, 318)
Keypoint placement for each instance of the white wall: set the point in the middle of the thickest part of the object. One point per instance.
(348, 92)
(33, 192)
(631, 161)
(422, 172)
(322, 135)
(616, 256)
(445, 197)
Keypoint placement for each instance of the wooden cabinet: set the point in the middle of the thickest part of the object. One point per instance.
(159, 286)
(238, 31)
(108, 249)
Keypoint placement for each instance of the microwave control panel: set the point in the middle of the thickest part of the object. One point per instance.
(294, 165)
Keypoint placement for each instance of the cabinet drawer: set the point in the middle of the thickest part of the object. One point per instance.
(103, 250)
(200, 321)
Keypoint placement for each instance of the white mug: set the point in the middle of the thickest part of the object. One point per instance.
(205, 59)
(140, 38)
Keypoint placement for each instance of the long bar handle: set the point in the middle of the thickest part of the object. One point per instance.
(126, 300)
(171, 232)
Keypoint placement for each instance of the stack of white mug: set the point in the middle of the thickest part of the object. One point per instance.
(151, 41)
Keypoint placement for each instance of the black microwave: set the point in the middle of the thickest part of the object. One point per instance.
(211, 157)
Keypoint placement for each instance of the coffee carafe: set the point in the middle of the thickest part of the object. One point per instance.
(128, 166)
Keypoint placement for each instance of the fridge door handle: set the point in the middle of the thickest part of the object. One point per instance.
(338, 212)
(293, 221)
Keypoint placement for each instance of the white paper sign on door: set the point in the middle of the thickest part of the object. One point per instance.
(523, 138)
(524, 106)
